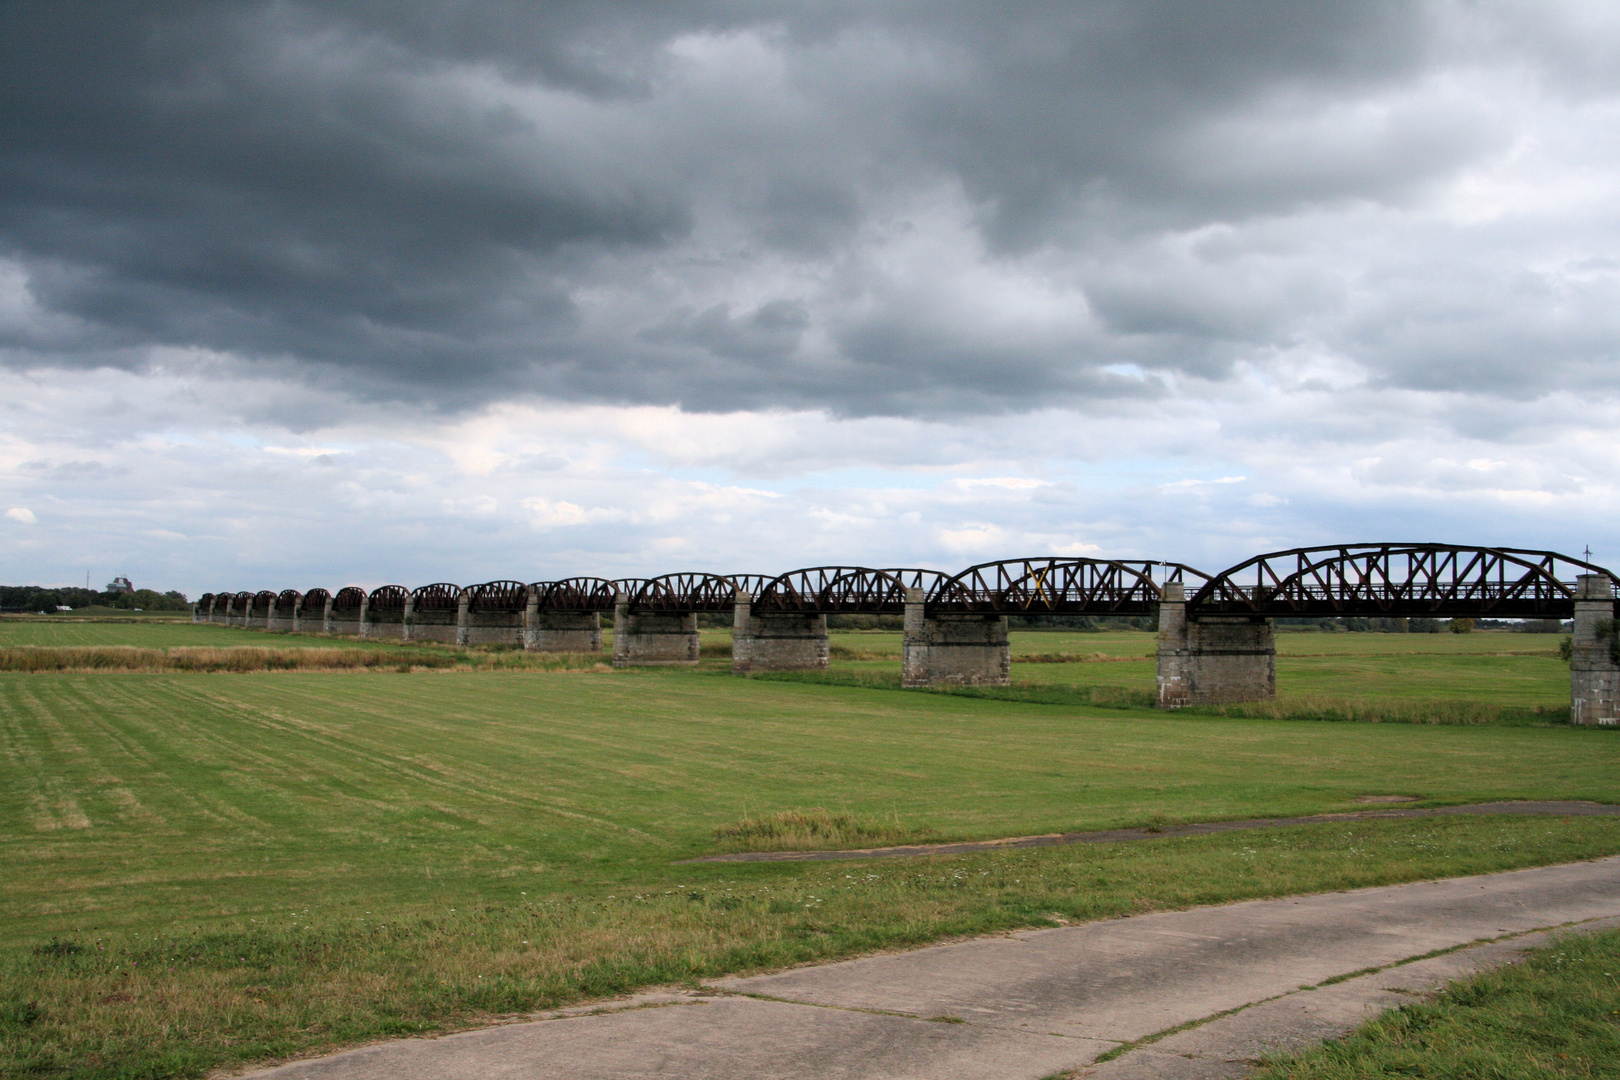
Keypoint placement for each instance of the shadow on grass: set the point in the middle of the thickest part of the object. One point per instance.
(1299, 707)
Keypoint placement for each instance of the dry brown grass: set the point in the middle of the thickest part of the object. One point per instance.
(815, 828)
(847, 652)
(1324, 707)
(1076, 658)
(43, 659)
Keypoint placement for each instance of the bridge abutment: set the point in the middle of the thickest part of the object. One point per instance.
(653, 638)
(953, 648)
(777, 640)
(1212, 659)
(1594, 677)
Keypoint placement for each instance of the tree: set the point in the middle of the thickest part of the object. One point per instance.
(1462, 626)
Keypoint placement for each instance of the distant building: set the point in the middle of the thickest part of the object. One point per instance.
(119, 584)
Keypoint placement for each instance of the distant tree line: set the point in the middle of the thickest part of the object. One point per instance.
(38, 598)
(1426, 626)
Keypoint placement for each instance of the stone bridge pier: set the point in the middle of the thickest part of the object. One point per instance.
(563, 631)
(952, 648)
(386, 622)
(257, 614)
(348, 621)
(492, 627)
(283, 614)
(1594, 677)
(653, 638)
(1213, 659)
(437, 620)
(314, 615)
(560, 631)
(777, 640)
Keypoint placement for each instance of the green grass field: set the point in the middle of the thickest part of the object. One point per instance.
(206, 868)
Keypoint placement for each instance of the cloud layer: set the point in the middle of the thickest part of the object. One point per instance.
(798, 271)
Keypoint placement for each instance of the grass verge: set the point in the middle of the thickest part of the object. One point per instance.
(1557, 1014)
(188, 998)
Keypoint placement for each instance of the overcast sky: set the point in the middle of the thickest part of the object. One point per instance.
(310, 294)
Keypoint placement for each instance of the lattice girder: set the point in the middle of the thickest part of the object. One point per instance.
(1398, 581)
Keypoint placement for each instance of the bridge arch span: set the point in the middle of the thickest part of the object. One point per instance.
(1398, 580)
(590, 594)
(833, 590)
(1059, 586)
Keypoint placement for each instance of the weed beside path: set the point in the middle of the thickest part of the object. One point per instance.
(1556, 1014)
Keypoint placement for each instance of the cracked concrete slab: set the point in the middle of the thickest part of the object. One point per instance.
(709, 1039)
(1228, 1045)
(1125, 979)
(1241, 979)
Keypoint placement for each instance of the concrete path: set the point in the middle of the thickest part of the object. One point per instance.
(1185, 995)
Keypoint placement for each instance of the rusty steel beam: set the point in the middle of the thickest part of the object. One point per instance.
(508, 596)
(575, 594)
(349, 598)
(440, 596)
(387, 598)
(1058, 586)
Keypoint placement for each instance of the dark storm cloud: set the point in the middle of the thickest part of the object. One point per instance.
(701, 203)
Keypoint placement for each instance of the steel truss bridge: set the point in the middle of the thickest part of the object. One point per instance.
(1377, 580)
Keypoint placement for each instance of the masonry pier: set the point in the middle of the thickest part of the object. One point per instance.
(777, 640)
(653, 638)
(1213, 659)
(284, 611)
(438, 613)
(388, 613)
(314, 615)
(493, 613)
(1594, 676)
(561, 631)
(348, 612)
(260, 608)
(953, 648)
